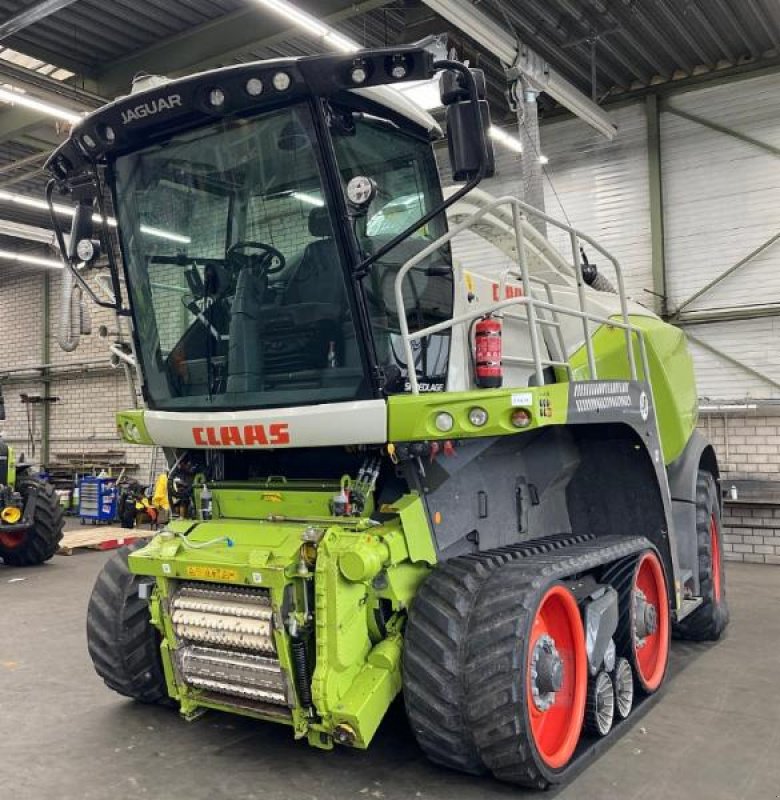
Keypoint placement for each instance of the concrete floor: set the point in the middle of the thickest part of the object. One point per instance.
(715, 732)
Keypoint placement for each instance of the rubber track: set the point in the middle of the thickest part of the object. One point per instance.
(438, 630)
(41, 541)
(122, 642)
(708, 621)
(496, 654)
(621, 577)
(433, 681)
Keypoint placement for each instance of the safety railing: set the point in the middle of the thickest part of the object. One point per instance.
(534, 320)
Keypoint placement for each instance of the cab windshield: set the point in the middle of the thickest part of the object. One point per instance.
(238, 286)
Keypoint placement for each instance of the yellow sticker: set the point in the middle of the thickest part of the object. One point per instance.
(469, 278)
(272, 497)
(212, 573)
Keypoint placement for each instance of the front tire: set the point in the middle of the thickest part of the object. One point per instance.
(39, 543)
(122, 642)
(710, 619)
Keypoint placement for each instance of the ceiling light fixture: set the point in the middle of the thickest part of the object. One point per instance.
(18, 97)
(309, 199)
(161, 234)
(311, 25)
(36, 261)
(69, 211)
(502, 137)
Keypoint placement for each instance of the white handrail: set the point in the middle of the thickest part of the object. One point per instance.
(531, 304)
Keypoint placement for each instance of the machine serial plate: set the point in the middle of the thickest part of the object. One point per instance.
(212, 573)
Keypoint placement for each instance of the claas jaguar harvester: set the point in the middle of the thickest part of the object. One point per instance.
(479, 488)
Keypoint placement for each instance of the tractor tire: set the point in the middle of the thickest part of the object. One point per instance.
(39, 543)
(122, 642)
(523, 732)
(710, 619)
(433, 663)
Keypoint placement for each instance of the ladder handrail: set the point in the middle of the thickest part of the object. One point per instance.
(531, 304)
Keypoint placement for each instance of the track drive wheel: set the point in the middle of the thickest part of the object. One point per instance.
(39, 543)
(122, 642)
(644, 628)
(526, 676)
(710, 619)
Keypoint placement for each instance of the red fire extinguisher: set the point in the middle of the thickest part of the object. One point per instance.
(487, 352)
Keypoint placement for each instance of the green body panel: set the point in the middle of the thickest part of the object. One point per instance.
(671, 375)
(131, 427)
(257, 539)
(11, 476)
(412, 417)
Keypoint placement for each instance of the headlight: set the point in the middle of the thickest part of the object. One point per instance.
(444, 422)
(281, 81)
(478, 416)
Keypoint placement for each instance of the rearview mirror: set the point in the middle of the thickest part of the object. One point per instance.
(467, 139)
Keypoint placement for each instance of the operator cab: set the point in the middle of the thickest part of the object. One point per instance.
(236, 274)
(253, 280)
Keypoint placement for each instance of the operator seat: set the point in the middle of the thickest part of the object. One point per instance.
(318, 277)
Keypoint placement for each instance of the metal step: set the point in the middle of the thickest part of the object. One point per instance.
(689, 605)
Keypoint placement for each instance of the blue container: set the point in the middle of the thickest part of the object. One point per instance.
(97, 499)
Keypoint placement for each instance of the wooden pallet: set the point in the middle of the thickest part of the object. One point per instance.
(100, 537)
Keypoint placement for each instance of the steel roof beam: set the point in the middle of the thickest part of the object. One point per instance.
(610, 47)
(763, 20)
(715, 126)
(676, 23)
(614, 13)
(712, 32)
(733, 361)
(755, 49)
(15, 121)
(553, 20)
(32, 15)
(216, 42)
(763, 247)
(504, 44)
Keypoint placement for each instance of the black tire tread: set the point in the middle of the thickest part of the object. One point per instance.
(434, 691)
(710, 619)
(496, 653)
(40, 543)
(436, 631)
(123, 644)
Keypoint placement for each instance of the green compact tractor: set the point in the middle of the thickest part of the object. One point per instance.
(31, 520)
(480, 487)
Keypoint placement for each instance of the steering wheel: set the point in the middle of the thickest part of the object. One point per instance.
(269, 260)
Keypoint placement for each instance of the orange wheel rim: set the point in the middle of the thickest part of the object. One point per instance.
(651, 656)
(556, 729)
(715, 551)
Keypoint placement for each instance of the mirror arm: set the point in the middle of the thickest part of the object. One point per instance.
(67, 257)
(361, 270)
(105, 240)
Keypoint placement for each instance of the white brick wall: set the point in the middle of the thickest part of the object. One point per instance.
(83, 420)
(748, 447)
